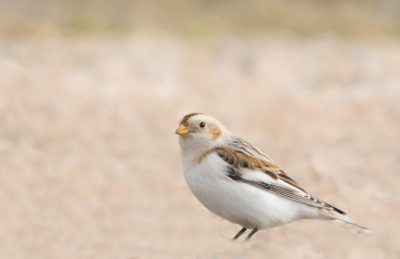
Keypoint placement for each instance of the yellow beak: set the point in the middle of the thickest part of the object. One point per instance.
(182, 130)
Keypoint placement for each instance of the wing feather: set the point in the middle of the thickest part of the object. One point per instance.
(242, 157)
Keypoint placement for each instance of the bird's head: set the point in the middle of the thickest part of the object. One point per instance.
(201, 132)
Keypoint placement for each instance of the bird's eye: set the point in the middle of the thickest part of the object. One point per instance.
(202, 124)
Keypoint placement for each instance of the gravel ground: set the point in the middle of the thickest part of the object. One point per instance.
(90, 165)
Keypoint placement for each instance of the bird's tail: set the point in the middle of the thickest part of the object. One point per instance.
(349, 220)
(333, 215)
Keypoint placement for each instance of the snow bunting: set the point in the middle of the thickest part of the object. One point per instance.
(239, 183)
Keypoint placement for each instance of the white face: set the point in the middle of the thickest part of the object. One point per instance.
(200, 130)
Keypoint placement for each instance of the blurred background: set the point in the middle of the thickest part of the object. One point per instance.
(91, 93)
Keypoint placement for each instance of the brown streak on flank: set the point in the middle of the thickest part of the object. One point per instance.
(187, 117)
(215, 132)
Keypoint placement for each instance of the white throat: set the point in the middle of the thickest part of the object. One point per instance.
(193, 147)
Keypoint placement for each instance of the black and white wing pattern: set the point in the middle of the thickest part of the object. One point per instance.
(242, 158)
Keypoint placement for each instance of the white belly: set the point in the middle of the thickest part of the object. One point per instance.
(239, 202)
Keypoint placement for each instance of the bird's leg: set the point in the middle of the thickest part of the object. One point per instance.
(239, 234)
(251, 233)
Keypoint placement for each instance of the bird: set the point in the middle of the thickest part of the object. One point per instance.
(238, 182)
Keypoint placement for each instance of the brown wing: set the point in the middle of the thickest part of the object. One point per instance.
(241, 158)
(247, 152)
(284, 177)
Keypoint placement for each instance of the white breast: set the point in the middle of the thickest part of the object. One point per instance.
(239, 202)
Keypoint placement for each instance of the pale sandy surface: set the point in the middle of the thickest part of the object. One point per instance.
(90, 165)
